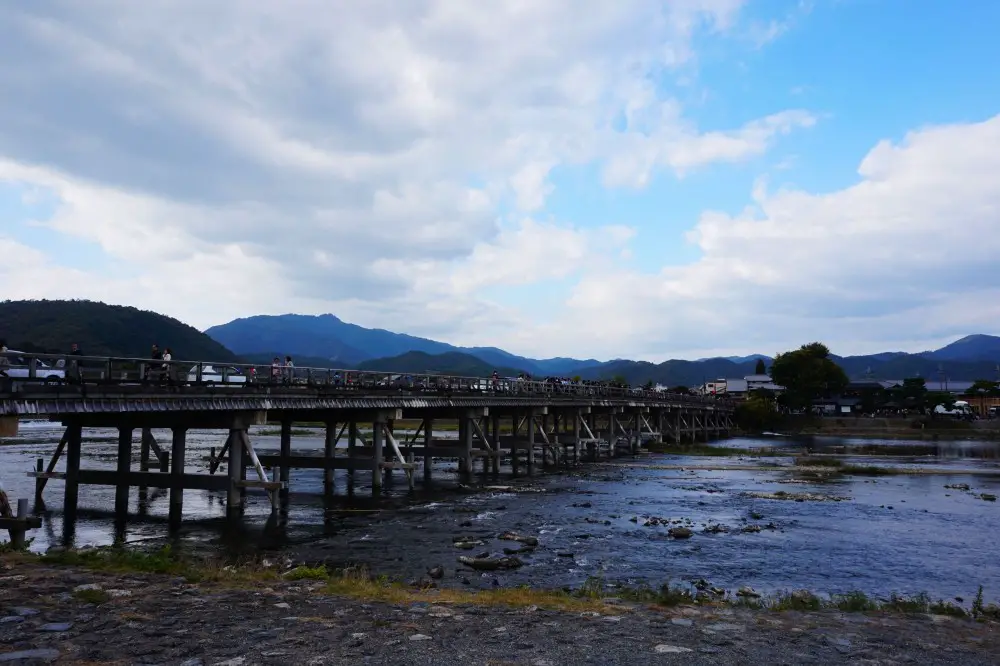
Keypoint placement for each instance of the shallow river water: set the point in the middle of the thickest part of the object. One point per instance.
(901, 533)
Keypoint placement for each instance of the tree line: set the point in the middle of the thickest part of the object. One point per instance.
(809, 374)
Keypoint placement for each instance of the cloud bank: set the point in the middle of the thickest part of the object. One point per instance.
(392, 163)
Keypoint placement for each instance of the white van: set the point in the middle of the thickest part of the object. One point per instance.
(217, 375)
(18, 369)
(961, 408)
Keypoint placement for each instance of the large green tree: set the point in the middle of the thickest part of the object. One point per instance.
(913, 393)
(985, 387)
(761, 368)
(808, 373)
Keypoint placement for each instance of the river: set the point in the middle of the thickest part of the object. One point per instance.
(901, 533)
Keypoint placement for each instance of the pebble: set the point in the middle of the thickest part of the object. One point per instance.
(724, 626)
(56, 626)
(87, 588)
(118, 594)
(681, 622)
(235, 661)
(12, 619)
(663, 648)
(193, 662)
(43, 655)
(282, 605)
(420, 637)
(24, 611)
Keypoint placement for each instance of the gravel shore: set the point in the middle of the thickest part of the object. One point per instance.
(158, 619)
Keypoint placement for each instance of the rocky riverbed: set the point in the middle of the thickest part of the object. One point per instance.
(67, 615)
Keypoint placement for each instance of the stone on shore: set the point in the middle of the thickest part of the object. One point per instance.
(56, 626)
(26, 655)
(491, 563)
(670, 649)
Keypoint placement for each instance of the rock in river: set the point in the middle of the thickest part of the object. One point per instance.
(526, 540)
(680, 532)
(467, 543)
(491, 563)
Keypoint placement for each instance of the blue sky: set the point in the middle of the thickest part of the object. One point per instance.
(211, 172)
(869, 69)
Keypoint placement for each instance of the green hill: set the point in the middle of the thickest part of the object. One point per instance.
(101, 330)
(451, 363)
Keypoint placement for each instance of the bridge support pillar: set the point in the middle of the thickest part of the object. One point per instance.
(352, 438)
(177, 455)
(636, 438)
(612, 434)
(124, 467)
(531, 441)
(428, 442)
(378, 438)
(551, 435)
(465, 433)
(74, 445)
(329, 451)
(144, 439)
(285, 455)
(235, 471)
(495, 435)
(576, 437)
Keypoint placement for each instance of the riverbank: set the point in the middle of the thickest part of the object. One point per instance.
(67, 614)
(916, 428)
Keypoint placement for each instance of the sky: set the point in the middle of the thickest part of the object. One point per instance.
(633, 179)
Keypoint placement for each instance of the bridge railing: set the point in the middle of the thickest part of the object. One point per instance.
(19, 371)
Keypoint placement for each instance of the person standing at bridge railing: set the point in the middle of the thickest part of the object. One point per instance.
(168, 368)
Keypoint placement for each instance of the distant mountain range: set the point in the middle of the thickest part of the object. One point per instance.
(325, 340)
(346, 345)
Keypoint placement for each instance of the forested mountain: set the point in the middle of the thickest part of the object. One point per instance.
(969, 348)
(326, 336)
(101, 330)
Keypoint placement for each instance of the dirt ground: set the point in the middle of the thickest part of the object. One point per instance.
(45, 617)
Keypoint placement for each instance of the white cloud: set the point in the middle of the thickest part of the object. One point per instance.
(906, 254)
(391, 162)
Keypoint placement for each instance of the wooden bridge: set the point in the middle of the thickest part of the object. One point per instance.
(521, 423)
